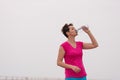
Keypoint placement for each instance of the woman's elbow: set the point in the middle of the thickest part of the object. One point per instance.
(58, 63)
(96, 45)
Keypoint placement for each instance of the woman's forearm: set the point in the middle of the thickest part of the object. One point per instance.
(92, 38)
(64, 65)
(68, 66)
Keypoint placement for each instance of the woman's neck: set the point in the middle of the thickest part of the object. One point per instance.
(71, 39)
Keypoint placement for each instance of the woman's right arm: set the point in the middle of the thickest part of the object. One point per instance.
(60, 62)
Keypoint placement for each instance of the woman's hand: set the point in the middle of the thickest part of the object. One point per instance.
(76, 69)
(85, 29)
(93, 43)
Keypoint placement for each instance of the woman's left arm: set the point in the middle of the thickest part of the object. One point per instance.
(93, 43)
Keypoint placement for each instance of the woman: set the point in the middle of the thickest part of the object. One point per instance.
(71, 52)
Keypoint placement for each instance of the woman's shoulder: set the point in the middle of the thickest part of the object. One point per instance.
(64, 43)
(79, 42)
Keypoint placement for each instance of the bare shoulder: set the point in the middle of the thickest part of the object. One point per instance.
(61, 49)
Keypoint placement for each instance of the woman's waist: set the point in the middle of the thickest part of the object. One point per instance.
(79, 64)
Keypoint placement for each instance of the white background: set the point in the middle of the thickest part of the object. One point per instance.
(30, 35)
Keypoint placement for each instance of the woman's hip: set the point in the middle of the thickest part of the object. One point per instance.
(83, 78)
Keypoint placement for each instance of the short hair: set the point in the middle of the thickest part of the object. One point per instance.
(65, 29)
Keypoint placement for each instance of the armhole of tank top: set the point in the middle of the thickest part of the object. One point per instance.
(62, 47)
(81, 43)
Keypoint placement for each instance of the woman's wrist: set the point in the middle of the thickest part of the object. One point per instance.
(88, 32)
(71, 66)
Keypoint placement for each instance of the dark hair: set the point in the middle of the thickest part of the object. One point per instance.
(65, 29)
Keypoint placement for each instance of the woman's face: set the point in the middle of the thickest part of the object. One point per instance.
(72, 31)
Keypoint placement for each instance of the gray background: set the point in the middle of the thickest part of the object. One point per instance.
(30, 35)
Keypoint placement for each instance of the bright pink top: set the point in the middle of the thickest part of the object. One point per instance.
(73, 56)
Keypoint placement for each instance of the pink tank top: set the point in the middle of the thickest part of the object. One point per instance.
(73, 56)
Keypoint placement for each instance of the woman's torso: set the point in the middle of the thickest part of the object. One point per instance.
(73, 56)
